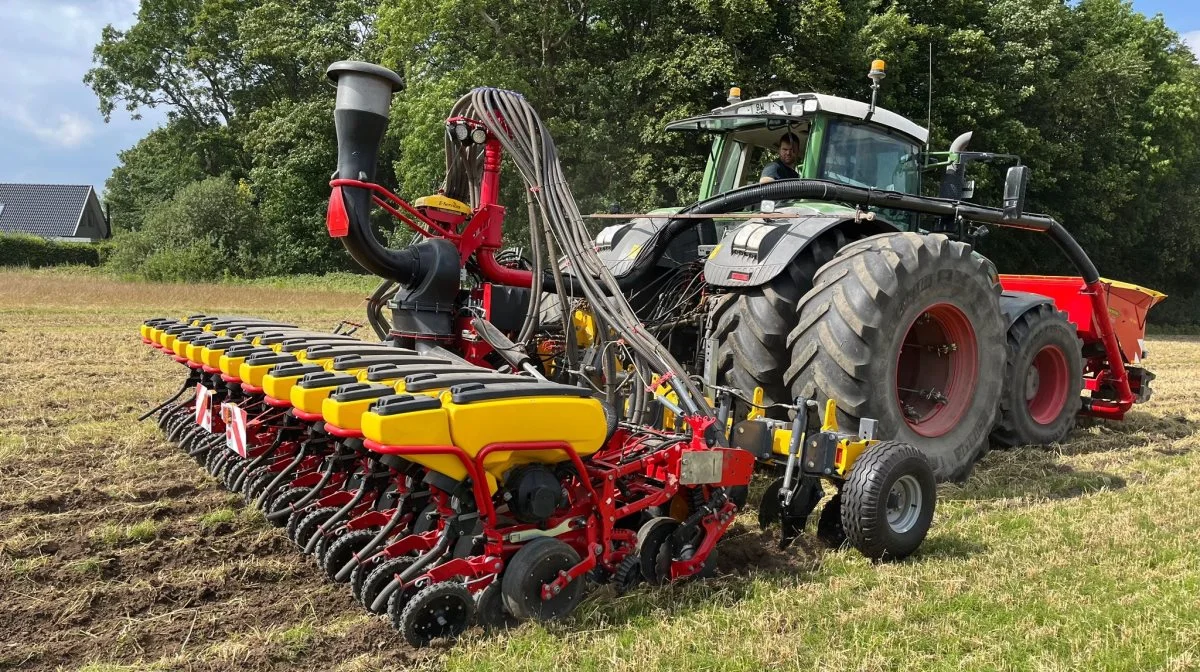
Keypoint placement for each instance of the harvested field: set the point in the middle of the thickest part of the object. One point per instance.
(118, 552)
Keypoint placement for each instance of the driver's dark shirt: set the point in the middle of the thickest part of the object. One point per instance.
(778, 170)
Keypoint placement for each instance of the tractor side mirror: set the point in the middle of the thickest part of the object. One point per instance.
(1015, 182)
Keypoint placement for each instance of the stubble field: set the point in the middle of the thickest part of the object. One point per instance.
(118, 552)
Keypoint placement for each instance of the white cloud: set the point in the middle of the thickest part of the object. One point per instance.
(64, 129)
(1192, 39)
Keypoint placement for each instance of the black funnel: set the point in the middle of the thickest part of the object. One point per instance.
(364, 95)
(429, 270)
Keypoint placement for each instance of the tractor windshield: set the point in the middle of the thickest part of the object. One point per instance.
(866, 156)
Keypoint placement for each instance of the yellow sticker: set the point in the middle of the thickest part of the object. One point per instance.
(713, 254)
(633, 251)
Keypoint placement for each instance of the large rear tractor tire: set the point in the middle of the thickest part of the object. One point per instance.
(1042, 380)
(752, 326)
(905, 328)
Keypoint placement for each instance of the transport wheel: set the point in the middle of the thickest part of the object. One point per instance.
(1042, 380)
(829, 523)
(339, 553)
(652, 536)
(309, 524)
(888, 501)
(752, 325)
(443, 610)
(282, 502)
(378, 580)
(905, 328)
(489, 609)
(537, 563)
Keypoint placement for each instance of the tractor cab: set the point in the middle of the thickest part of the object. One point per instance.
(842, 140)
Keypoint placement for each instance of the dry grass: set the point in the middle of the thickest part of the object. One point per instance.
(118, 553)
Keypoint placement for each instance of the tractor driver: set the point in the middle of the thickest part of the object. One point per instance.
(784, 167)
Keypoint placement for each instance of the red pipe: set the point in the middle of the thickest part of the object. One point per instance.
(501, 275)
(489, 191)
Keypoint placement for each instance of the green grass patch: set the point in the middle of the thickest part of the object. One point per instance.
(218, 517)
(111, 534)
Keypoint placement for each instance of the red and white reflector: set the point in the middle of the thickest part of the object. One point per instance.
(204, 407)
(235, 427)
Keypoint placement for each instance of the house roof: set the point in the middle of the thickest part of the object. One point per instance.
(47, 210)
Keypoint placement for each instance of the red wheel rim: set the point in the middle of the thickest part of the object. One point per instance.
(937, 370)
(1047, 385)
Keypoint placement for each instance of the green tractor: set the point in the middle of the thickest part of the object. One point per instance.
(845, 283)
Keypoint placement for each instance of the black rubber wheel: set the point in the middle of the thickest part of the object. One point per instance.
(339, 553)
(888, 501)
(188, 434)
(309, 524)
(234, 469)
(752, 325)
(537, 563)
(905, 328)
(283, 502)
(255, 483)
(214, 457)
(167, 423)
(224, 462)
(1042, 380)
(829, 523)
(443, 610)
(489, 609)
(652, 536)
(179, 426)
(379, 578)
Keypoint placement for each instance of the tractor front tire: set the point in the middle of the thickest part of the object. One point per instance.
(1042, 380)
(905, 328)
(752, 325)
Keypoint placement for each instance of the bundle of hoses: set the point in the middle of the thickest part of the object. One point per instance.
(555, 225)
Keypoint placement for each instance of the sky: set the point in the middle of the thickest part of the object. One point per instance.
(51, 130)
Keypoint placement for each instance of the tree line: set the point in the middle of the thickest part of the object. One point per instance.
(1102, 102)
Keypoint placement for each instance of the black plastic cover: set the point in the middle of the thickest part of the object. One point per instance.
(405, 403)
(295, 369)
(319, 379)
(467, 393)
(360, 391)
(396, 372)
(420, 382)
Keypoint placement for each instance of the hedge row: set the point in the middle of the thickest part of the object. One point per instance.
(18, 249)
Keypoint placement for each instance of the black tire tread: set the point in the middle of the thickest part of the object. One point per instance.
(847, 311)
(861, 499)
(752, 325)
(342, 550)
(1006, 434)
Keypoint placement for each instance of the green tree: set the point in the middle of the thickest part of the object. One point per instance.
(208, 230)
